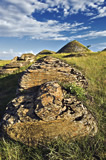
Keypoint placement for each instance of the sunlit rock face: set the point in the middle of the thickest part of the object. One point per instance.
(17, 62)
(43, 110)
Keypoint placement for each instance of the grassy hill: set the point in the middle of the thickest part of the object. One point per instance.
(73, 46)
(46, 52)
(93, 66)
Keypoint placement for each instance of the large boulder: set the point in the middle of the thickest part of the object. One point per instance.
(42, 110)
(49, 101)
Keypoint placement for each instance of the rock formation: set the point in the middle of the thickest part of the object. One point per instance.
(74, 46)
(42, 110)
(28, 57)
(16, 63)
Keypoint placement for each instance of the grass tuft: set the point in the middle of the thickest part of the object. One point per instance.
(72, 88)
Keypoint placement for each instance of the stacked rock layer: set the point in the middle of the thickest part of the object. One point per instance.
(41, 109)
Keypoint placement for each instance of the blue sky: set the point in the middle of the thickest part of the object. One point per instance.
(34, 25)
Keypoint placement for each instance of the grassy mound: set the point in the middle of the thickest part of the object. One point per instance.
(46, 52)
(73, 46)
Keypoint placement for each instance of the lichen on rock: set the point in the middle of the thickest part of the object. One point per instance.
(41, 111)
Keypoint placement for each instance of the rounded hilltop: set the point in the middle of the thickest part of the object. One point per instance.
(46, 52)
(73, 46)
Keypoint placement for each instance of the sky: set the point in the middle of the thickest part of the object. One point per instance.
(29, 26)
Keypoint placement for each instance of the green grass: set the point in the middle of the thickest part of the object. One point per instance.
(3, 62)
(84, 149)
(72, 88)
(93, 66)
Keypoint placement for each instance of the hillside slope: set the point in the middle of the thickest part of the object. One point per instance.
(73, 46)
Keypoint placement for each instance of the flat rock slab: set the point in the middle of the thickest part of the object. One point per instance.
(31, 133)
(41, 110)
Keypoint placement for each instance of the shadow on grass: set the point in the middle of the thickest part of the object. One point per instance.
(74, 55)
(8, 86)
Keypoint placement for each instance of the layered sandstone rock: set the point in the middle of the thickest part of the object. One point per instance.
(41, 111)
(16, 63)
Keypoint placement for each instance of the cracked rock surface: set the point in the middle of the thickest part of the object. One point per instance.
(41, 111)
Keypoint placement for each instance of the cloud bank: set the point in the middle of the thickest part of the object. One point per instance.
(8, 54)
(16, 18)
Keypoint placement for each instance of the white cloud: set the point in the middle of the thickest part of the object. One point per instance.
(68, 6)
(16, 21)
(5, 55)
(76, 24)
(90, 35)
(16, 17)
(99, 46)
(89, 14)
(102, 13)
(74, 30)
(74, 6)
(10, 54)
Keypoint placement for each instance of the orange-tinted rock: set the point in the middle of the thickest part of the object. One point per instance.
(16, 63)
(41, 110)
(49, 101)
(28, 57)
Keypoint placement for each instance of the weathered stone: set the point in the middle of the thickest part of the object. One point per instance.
(15, 59)
(16, 63)
(28, 57)
(49, 101)
(41, 111)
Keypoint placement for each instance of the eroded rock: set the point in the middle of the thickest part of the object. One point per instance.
(49, 101)
(17, 62)
(41, 110)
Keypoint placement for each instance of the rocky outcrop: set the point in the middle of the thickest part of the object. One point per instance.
(17, 62)
(12, 67)
(42, 111)
(24, 57)
(28, 57)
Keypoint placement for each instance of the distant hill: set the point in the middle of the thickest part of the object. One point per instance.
(73, 46)
(104, 49)
(47, 52)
